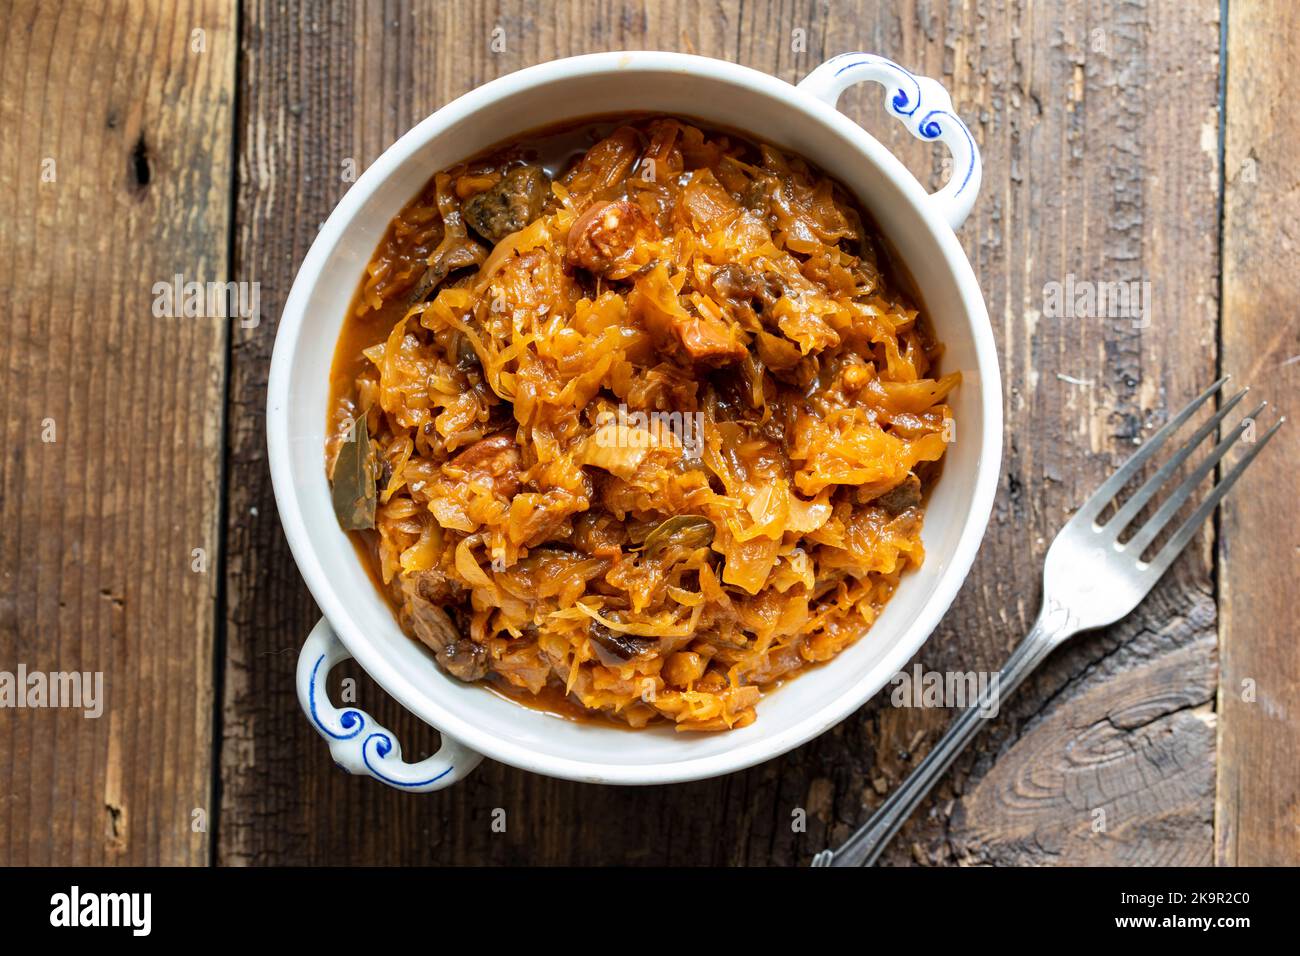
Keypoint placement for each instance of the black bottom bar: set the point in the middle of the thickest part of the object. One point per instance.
(391, 905)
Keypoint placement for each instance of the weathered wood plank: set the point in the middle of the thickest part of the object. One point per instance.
(1097, 128)
(1258, 813)
(115, 132)
(1120, 772)
(1095, 166)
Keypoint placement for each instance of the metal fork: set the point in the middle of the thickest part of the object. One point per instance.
(1090, 579)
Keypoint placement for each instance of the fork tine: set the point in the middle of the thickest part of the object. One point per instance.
(1112, 485)
(1120, 520)
(1155, 524)
(1174, 546)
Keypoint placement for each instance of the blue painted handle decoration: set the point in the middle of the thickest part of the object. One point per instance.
(357, 743)
(923, 106)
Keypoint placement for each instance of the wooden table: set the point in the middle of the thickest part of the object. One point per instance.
(141, 140)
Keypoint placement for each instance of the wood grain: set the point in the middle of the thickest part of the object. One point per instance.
(1094, 127)
(1098, 144)
(1258, 819)
(115, 128)
(1119, 772)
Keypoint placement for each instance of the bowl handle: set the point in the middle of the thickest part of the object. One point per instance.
(924, 107)
(357, 743)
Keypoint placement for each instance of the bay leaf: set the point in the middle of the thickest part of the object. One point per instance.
(353, 491)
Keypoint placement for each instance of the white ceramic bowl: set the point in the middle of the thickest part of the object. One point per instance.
(474, 722)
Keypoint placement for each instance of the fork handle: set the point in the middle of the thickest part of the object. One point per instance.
(865, 846)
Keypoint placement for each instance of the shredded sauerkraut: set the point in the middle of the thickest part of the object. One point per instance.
(652, 435)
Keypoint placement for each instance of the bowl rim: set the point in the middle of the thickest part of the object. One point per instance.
(418, 699)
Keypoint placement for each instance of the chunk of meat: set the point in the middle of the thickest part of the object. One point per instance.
(709, 341)
(461, 657)
(901, 497)
(705, 339)
(739, 286)
(464, 659)
(606, 236)
(494, 459)
(510, 205)
(436, 587)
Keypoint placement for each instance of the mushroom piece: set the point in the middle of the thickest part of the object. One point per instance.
(614, 648)
(510, 205)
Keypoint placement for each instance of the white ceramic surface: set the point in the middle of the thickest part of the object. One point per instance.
(803, 119)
